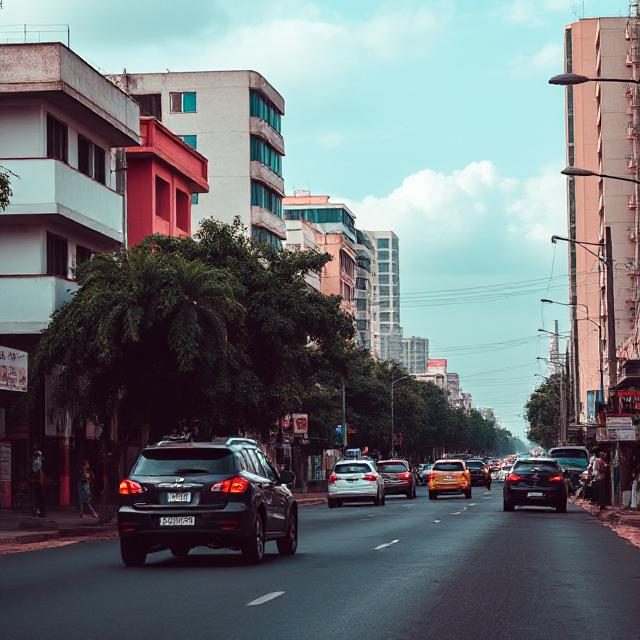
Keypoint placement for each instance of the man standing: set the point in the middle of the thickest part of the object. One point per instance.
(601, 467)
(37, 484)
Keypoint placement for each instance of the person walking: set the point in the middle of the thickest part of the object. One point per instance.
(37, 484)
(85, 499)
(601, 467)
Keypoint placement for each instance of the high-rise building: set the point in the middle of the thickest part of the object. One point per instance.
(602, 132)
(233, 118)
(415, 353)
(366, 269)
(388, 340)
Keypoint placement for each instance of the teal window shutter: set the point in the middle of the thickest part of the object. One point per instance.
(189, 102)
(191, 140)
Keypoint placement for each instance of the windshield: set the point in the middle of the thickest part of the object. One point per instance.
(532, 466)
(580, 463)
(571, 457)
(448, 466)
(474, 464)
(172, 462)
(391, 467)
(352, 468)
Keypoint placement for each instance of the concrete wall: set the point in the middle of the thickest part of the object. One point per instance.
(21, 131)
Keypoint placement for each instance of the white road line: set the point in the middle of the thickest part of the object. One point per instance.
(385, 545)
(472, 504)
(456, 513)
(436, 521)
(266, 598)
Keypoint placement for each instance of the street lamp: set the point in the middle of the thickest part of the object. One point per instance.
(393, 426)
(577, 172)
(569, 79)
(553, 333)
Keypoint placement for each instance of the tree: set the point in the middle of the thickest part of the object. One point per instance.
(542, 412)
(5, 187)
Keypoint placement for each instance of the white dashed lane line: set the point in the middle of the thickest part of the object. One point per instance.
(385, 545)
(265, 598)
(437, 521)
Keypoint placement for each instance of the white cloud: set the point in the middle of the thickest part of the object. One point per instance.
(531, 14)
(548, 58)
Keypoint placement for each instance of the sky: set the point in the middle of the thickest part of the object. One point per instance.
(433, 118)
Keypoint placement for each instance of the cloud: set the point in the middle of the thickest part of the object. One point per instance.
(548, 58)
(532, 14)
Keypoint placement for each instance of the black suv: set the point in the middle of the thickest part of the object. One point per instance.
(218, 494)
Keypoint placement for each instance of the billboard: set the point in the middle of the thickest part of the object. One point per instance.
(437, 365)
(13, 369)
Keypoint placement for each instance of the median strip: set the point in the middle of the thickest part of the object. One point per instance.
(266, 598)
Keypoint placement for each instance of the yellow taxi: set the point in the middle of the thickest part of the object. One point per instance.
(449, 477)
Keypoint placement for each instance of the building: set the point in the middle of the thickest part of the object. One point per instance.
(601, 135)
(466, 401)
(366, 272)
(488, 414)
(59, 122)
(162, 173)
(453, 389)
(436, 373)
(388, 340)
(305, 236)
(415, 353)
(339, 239)
(234, 119)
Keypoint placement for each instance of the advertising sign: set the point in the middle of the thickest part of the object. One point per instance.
(618, 428)
(300, 422)
(13, 369)
(437, 365)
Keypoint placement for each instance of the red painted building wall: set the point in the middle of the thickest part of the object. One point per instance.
(162, 173)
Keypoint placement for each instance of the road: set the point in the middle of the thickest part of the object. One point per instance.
(448, 569)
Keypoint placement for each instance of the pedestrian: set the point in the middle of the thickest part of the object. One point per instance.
(601, 474)
(37, 484)
(85, 500)
(635, 488)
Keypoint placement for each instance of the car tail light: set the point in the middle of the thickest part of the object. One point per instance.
(333, 478)
(432, 476)
(129, 488)
(558, 478)
(405, 475)
(370, 477)
(513, 477)
(231, 485)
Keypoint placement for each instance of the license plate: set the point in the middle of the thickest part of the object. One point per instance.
(179, 497)
(449, 478)
(177, 521)
(535, 494)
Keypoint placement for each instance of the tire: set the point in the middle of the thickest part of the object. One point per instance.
(562, 507)
(332, 503)
(288, 545)
(338, 503)
(180, 551)
(253, 548)
(384, 499)
(132, 552)
(507, 506)
(433, 495)
(467, 494)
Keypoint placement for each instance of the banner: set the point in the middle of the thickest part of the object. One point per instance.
(300, 423)
(13, 369)
(618, 429)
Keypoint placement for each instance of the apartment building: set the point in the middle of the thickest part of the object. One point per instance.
(415, 354)
(233, 118)
(304, 236)
(601, 135)
(59, 122)
(366, 272)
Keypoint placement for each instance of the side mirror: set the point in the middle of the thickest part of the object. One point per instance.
(287, 477)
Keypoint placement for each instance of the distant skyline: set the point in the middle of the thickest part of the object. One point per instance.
(429, 117)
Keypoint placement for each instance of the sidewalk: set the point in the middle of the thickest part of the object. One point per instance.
(612, 515)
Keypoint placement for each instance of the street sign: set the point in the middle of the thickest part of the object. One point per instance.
(618, 429)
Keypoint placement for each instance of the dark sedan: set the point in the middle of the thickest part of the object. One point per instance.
(480, 473)
(397, 478)
(536, 482)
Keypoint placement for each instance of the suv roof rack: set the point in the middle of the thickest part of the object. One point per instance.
(235, 440)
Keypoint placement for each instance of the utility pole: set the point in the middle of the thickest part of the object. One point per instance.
(611, 319)
(563, 406)
(344, 415)
(393, 428)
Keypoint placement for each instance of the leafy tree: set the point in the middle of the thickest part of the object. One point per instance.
(5, 187)
(543, 411)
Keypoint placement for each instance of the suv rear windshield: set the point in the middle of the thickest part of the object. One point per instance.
(533, 465)
(171, 462)
(352, 468)
(571, 457)
(392, 467)
(474, 464)
(448, 466)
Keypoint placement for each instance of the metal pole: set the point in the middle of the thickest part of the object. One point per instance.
(344, 414)
(393, 434)
(563, 412)
(611, 319)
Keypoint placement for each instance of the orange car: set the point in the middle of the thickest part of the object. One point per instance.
(449, 476)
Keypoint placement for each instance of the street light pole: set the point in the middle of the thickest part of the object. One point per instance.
(393, 426)
(611, 320)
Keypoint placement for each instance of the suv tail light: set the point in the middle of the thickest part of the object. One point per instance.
(129, 487)
(332, 478)
(371, 477)
(432, 475)
(513, 477)
(405, 475)
(231, 485)
(558, 478)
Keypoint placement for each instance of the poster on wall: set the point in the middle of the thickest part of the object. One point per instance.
(13, 369)
(300, 423)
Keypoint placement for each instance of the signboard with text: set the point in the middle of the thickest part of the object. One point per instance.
(300, 423)
(617, 429)
(13, 369)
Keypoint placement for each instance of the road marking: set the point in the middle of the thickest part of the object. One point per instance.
(408, 506)
(266, 598)
(385, 545)
(436, 521)
(456, 513)
(472, 504)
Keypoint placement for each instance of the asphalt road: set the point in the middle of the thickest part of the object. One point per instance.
(449, 569)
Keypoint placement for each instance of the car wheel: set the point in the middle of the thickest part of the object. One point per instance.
(338, 503)
(467, 493)
(132, 552)
(288, 545)
(331, 503)
(384, 498)
(180, 551)
(433, 495)
(253, 548)
(562, 507)
(378, 500)
(507, 506)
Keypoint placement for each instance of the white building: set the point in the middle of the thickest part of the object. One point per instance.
(466, 401)
(366, 273)
(415, 353)
(304, 236)
(233, 118)
(453, 389)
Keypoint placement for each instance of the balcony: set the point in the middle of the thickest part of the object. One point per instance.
(259, 172)
(264, 218)
(28, 301)
(47, 187)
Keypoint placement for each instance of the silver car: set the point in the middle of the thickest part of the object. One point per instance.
(355, 481)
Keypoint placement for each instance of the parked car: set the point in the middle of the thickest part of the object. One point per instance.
(480, 474)
(535, 482)
(355, 481)
(449, 477)
(216, 494)
(397, 478)
(573, 459)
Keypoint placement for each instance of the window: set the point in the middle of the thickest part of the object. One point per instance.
(91, 159)
(345, 468)
(57, 139)
(383, 255)
(258, 234)
(163, 199)
(264, 197)
(392, 467)
(261, 107)
(385, 316)
(175, 462)
(57, 256)
(383, 268)
(361, 283)
(182, 210)
(150, 104)
(362, 325)
(266, 155)
(322, 216)
(448, 466)
(382, 243)
(384, 304)
(194, 198)
(384, 291)
(82, 255)
(182, 102)
(190, 139)
(383, 279)
(361, 304)
(266, 465)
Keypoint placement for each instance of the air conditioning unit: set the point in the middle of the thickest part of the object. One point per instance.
(631, 132)
(631, 163)
(632, 202)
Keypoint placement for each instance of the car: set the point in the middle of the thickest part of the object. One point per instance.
(355, 481)
(573, 459)
(397, 478)
(449, 477)
(423, 473)
(221, 494)
(535, 482)
(480, 474)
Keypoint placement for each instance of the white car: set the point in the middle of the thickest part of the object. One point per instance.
(355, 481)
